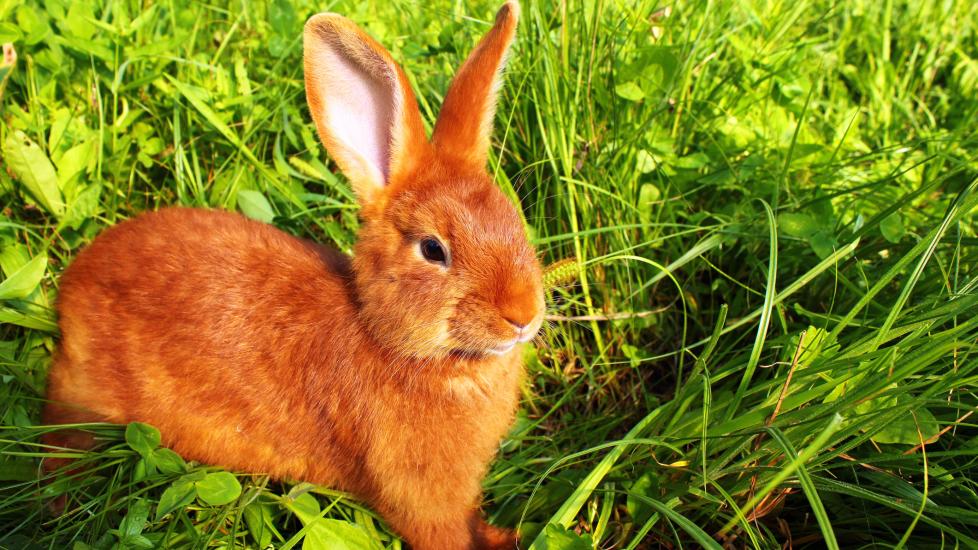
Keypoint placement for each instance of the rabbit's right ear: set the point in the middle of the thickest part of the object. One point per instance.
(362, 104)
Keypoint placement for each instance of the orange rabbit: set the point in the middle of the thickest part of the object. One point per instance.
(392, 375)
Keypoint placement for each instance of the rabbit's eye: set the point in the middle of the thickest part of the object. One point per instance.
(432, 251)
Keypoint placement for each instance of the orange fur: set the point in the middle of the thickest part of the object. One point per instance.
(254, 350)
(474, 89)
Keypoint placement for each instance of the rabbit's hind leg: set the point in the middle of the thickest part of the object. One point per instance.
(490, 537)
(60, 443)
(65, 440)
(57, 474)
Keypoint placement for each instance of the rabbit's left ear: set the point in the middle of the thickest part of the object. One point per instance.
(465, 122)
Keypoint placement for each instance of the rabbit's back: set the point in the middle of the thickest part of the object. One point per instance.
(203, 323)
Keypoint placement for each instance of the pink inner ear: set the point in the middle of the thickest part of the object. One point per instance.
(359, 103)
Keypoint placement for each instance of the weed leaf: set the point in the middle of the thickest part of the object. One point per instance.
(34, 170)
(892, 228)
(176, 496)
(335, 534)
(555, 537)
(254, 205)
(142, 438)
(23, 281)
(218, 488)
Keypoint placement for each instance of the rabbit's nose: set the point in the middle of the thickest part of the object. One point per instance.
(523, 331)
(520, 303)
(519, 309)
(519, 325)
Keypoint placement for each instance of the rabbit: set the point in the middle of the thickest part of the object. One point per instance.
(392, 374)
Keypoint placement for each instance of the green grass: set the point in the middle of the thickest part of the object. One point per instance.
(769, 205)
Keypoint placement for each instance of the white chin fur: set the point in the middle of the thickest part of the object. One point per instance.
(503, 349)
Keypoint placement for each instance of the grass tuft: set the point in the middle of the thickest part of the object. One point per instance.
(758, 217)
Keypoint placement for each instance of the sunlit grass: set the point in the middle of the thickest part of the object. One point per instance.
(765, 334)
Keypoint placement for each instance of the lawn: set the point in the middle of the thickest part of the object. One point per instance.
(763, 330)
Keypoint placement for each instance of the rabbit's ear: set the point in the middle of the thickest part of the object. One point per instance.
(465, 122)
(362, 104)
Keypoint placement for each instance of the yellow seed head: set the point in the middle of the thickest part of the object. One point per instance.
(559, 273)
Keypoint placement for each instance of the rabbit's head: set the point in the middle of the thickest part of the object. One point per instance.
(442, 263)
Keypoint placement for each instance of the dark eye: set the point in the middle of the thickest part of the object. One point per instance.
(432, 250)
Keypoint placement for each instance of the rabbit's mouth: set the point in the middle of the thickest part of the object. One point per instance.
(489, 335)
(487, 351)
(503, 348)
(523, 337)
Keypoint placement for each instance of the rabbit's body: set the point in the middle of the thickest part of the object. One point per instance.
(152, 315)
(392, 375)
